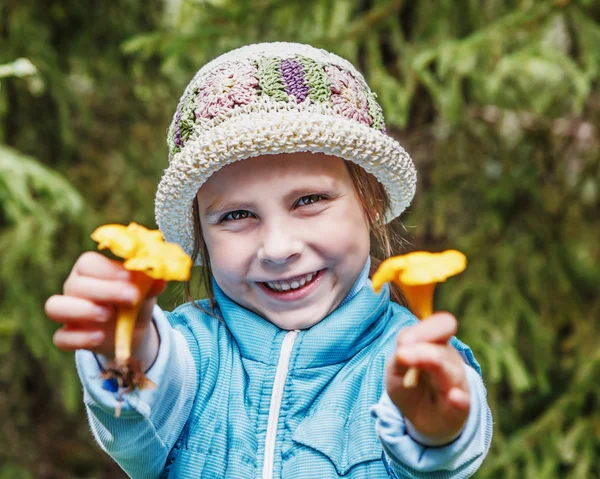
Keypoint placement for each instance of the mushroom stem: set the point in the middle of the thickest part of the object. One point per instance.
(419, 298)
(126, 319)
(420, 301)
(411, 378)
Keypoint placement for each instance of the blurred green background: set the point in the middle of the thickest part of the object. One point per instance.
(496, 100)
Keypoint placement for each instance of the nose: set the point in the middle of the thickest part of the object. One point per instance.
(279, 244)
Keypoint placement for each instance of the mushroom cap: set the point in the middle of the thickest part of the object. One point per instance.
(387, 271)
(421, 267)
(145, 235)
(116, 238)
(144, 250)
(165, 261)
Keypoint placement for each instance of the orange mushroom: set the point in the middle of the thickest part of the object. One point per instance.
(417, 274)
(146, 253)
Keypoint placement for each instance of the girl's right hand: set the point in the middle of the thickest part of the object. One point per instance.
(87, 308)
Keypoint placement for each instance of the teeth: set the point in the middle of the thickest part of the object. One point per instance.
(294, 284)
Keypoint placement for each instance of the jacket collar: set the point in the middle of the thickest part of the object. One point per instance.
(339, 336)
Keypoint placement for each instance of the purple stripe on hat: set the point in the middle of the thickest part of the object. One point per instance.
(178, 141)
(293, 77)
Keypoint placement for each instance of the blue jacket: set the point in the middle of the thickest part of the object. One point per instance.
(240, 398)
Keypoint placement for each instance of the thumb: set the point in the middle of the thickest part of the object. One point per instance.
(145, 314)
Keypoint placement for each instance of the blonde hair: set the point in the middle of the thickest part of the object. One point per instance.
(375, 203)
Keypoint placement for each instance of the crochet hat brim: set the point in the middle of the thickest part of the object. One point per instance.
(262, 133)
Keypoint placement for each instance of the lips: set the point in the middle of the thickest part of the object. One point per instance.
(292, 289)
(292, 283)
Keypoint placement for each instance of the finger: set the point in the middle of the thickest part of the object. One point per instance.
(394, 382)
(71, 339)
(95, 265)
(459, 398)
(395, 368)
(145, 314)
(438, 328)
(442, 362)
(69, 309)
(102, 290)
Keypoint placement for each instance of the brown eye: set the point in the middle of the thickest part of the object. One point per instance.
(309, 200)
(239, 215)
(236, 215)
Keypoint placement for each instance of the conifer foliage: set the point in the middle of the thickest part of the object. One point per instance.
(497, 102)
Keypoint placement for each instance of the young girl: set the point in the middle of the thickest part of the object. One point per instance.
(280, 174)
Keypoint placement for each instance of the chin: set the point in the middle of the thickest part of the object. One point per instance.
(295, 320)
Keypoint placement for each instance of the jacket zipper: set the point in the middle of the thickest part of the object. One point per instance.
(276, 397)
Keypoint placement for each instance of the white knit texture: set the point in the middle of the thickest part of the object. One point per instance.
(281, 50)
(261, 133)
(266, 126)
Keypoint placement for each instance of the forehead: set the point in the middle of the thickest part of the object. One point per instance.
(292, 169)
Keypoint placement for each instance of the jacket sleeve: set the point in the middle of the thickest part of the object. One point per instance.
(151, 420)
(407, 458)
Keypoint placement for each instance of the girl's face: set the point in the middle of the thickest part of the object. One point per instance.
(286, 235)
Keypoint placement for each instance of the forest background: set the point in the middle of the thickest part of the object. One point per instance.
(496, 100)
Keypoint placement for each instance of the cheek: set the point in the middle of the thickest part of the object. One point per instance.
(229, 255)
(348, 237)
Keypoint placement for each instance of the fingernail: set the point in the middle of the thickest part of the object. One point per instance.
(404, 354)
(131, 296)
(124, 275)
(102, 314)
(407, 339)
(97, 337)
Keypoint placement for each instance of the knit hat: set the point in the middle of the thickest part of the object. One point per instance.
(274, 98)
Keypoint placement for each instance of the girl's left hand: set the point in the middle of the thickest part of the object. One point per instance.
(438, 406)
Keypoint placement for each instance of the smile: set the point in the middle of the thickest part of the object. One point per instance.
(292, 286)
(293, 283)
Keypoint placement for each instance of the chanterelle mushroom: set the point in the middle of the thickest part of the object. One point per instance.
(417, 274)
(146, 252)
